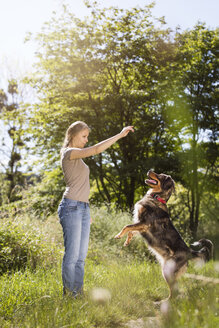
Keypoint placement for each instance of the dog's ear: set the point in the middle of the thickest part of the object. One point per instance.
(168, 186)
(168, 183)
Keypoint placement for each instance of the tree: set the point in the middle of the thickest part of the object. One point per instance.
(12, 119)
(194, 110)
(108, 70)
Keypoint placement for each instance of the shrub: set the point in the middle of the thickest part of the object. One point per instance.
(20, 248)
(106, 224)
(39, 196)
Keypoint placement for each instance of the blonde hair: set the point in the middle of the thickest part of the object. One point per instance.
(72, 131)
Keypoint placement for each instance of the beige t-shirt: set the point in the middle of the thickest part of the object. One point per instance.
(76, 176)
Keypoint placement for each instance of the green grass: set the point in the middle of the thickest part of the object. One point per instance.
(33, 297)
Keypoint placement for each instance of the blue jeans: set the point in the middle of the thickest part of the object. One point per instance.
(75, 220)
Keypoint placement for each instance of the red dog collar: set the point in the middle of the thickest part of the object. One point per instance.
(158, 198)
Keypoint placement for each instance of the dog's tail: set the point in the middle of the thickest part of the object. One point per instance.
(205, 253)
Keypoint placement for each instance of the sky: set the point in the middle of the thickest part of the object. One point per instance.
(17, 17)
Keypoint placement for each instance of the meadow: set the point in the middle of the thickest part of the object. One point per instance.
(31, 290)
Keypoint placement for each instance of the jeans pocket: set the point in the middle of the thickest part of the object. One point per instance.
(63, 211)
(66, 211)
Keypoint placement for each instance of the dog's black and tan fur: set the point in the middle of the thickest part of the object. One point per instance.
(153, 222)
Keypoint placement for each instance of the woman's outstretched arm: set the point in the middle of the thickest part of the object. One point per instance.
(101, 146)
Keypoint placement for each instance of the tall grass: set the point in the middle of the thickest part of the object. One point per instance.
(32, 297)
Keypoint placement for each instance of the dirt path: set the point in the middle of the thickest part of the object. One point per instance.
(150, 322)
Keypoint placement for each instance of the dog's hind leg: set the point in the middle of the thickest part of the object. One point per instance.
(141, 227)
(171, 271)
(168, 271)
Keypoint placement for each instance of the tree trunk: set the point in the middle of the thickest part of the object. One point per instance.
(194, 213)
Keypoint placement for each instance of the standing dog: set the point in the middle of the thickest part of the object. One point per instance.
(153, 222)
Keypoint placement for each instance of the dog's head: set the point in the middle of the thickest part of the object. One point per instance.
(160, 183)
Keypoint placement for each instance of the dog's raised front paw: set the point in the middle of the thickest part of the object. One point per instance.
(117, 236)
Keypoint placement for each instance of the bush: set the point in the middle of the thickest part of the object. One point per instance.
(107, 223)
(39, 197)
(20, 249)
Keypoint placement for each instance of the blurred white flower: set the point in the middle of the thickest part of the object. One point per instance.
(100, 295)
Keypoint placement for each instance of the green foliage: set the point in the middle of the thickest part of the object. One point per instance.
(21, 248)
(102, 70)
(4, 188)
(42, 198)
(193, 110)
(106, 225)
(13, 117)
(39, 197)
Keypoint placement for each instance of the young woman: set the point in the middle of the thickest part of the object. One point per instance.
(74, 212)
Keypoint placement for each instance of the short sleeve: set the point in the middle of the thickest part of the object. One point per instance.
(66, 153)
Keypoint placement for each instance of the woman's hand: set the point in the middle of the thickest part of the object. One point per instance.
(126, 131)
